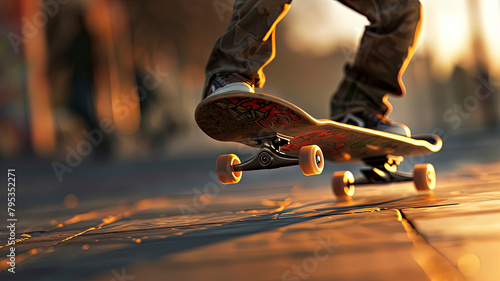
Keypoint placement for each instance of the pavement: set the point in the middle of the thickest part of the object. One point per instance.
(170, 219)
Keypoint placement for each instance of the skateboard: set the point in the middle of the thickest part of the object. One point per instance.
(287, 135)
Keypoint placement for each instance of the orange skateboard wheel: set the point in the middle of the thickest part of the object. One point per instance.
(224, 168)
(424, 177)
(311, 160)
(342, 184)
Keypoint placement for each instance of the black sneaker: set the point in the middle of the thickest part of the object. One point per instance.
(230, 82)
(375, 122)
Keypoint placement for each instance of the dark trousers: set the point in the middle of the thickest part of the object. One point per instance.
(385, 50)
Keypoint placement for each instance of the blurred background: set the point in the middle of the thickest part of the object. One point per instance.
(125, 76)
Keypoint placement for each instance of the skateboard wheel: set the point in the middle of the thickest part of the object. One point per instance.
(342, 184)
(224, 167)
(311, 160)
(424, 177)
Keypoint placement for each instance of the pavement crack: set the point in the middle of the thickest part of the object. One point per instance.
(432, 261)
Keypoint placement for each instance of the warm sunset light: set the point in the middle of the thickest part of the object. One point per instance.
(139, 142)
(490, 10)
(42, 119)
(446, 34)
(317, 28)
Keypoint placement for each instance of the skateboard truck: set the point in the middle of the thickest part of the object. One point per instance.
(269, 155)
(310, 159)
(384, 170)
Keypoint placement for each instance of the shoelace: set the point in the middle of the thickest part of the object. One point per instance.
(231, 78)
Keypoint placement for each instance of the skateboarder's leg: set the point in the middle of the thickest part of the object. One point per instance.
(383, 55)
(248, 44)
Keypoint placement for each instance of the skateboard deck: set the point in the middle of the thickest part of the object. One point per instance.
(242, 117)
(250, 118)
